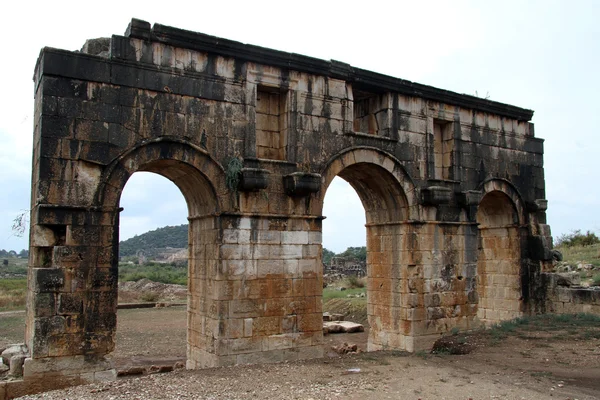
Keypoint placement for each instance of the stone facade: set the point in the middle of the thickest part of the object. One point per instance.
(452, 186)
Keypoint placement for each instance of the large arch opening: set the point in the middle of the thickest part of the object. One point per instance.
(344, 262)
(192, 172)
(153, 268)
(385, 192)
(499, 259)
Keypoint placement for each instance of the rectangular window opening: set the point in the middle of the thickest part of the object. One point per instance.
(443, 147)
(365, 112)
(271, 123)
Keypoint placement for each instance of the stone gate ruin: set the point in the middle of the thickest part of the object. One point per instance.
(452, 186)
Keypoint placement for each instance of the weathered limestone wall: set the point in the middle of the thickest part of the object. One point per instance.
(254, 175)
(570, 300)
(499, 265)
(263, 303)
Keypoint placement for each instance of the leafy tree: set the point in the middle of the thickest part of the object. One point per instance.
(327, 255)
(358, 253)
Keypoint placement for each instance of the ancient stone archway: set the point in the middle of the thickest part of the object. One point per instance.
(499, 262)
(192, 170)
(381, 183)
(253, 137)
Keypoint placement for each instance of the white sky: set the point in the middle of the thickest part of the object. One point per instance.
(542, 55)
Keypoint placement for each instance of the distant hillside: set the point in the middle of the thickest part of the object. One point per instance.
(154, 242)
(169, 236)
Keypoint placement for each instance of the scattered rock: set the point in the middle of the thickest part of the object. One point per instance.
(343, 327)
(568, 279)
(160, 369)
(132, 371)
(332, 317)
(345, 348)
(14, 357)
(179, 365)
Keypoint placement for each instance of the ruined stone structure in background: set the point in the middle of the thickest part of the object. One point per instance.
(452, 186)
(346, 266)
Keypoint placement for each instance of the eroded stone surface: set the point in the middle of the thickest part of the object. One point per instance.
(451, 185)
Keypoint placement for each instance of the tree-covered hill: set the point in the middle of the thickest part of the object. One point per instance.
(169, 236)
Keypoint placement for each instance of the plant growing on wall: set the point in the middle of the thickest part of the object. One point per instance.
(232, 178)
(232, 174)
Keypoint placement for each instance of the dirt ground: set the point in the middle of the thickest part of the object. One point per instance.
(538, 361)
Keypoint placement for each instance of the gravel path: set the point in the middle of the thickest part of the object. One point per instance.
(365, 376)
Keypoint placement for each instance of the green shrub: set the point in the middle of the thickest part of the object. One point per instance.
(576, 238)
(149, 297)
(354, 282)
(163, 273)
(596, 280)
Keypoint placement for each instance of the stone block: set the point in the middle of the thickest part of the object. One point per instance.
(47, 279)
(246, 345)
(294, 237)
(269, 237)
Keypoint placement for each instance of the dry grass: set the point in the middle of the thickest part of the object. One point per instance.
(581, 254)
(13, 294)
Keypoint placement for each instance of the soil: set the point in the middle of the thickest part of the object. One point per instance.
(528, 362)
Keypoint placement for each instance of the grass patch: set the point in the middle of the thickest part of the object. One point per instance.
(560, 326)
(163, 273)
(329, 294)
(541, 374)
(13, 329)
(13, 294)
(355, 282)
(16, 267)
(576, 254)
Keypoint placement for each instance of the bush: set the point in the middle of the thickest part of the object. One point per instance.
(355, 282)
(163, 273)
(576, 238)
(150, 297)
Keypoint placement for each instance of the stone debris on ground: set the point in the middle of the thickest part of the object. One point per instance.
(342, 327)
(332, 317)
(346, 348)
(146, 285)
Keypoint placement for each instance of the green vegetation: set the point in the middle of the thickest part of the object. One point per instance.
(232, 175)
(358, 253)
(12, 254)
(164, 273)
(577, 239)
(331, 293)
(327, 256)
(150, 242)
(589, 254)
(576, 326)
(13, 267)
(355, 282)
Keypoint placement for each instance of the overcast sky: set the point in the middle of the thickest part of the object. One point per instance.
(541, 55)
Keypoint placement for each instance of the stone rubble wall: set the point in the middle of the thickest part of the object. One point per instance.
(570, 299)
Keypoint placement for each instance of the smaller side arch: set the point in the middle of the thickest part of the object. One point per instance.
(504, 186)
(500, 217)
